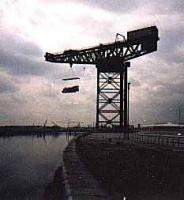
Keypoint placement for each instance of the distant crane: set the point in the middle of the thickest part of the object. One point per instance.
(54, 124)
(111, 61)
(68, 123)
(44, 125)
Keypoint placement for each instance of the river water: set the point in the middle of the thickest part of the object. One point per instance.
(27, 165)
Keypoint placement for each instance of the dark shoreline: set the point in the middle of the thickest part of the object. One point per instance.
(6, 131)
(39, 131)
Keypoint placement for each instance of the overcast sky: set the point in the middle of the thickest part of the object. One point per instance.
(30, 88)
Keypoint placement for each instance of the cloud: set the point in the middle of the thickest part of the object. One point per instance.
(13, 43)
(161, 87)
(7, 84)
(22, 65)
(30, 90)
(21, 57)
(109, 5)
(119, 6)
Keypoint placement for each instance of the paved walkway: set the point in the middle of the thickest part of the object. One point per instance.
(81, 185)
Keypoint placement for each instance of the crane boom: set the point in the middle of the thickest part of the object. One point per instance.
(124, 50)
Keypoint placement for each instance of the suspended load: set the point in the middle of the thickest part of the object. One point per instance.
(70, 79)
(72, 89)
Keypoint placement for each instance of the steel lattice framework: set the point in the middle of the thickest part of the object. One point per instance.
(121, 51)
(111, 61)
(109, 98)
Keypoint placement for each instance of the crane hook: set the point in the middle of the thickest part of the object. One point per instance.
(71, 64)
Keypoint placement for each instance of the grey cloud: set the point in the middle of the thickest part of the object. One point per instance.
(116, 6)
(134, 82)
(170, 6)
(4, 116)
(7, 85)
(161, 112)
(161, 7)
(11, 42)
(125, 6)
(110, 5)
(49, 90)
(20, 57)
(156, 110)
(19, 64)
(171, 40)
(162, 92)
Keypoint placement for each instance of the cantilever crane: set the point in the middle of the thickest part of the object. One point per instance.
(111, 63)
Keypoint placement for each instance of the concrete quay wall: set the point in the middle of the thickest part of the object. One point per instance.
(77, 181)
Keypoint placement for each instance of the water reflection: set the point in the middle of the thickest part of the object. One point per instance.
(27, 164)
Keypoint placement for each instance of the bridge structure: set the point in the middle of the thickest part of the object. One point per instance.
(112, 61)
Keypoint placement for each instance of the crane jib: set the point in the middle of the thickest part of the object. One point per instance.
(138, 43)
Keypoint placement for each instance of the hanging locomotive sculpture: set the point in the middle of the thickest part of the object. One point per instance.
(72, 89)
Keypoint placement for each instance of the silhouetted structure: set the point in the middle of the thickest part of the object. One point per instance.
(111, 63)
(71, 79)
(72, 89)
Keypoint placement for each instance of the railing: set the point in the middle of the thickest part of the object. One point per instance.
(165, 140)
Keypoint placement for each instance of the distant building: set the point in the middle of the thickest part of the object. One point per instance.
(162, 126)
